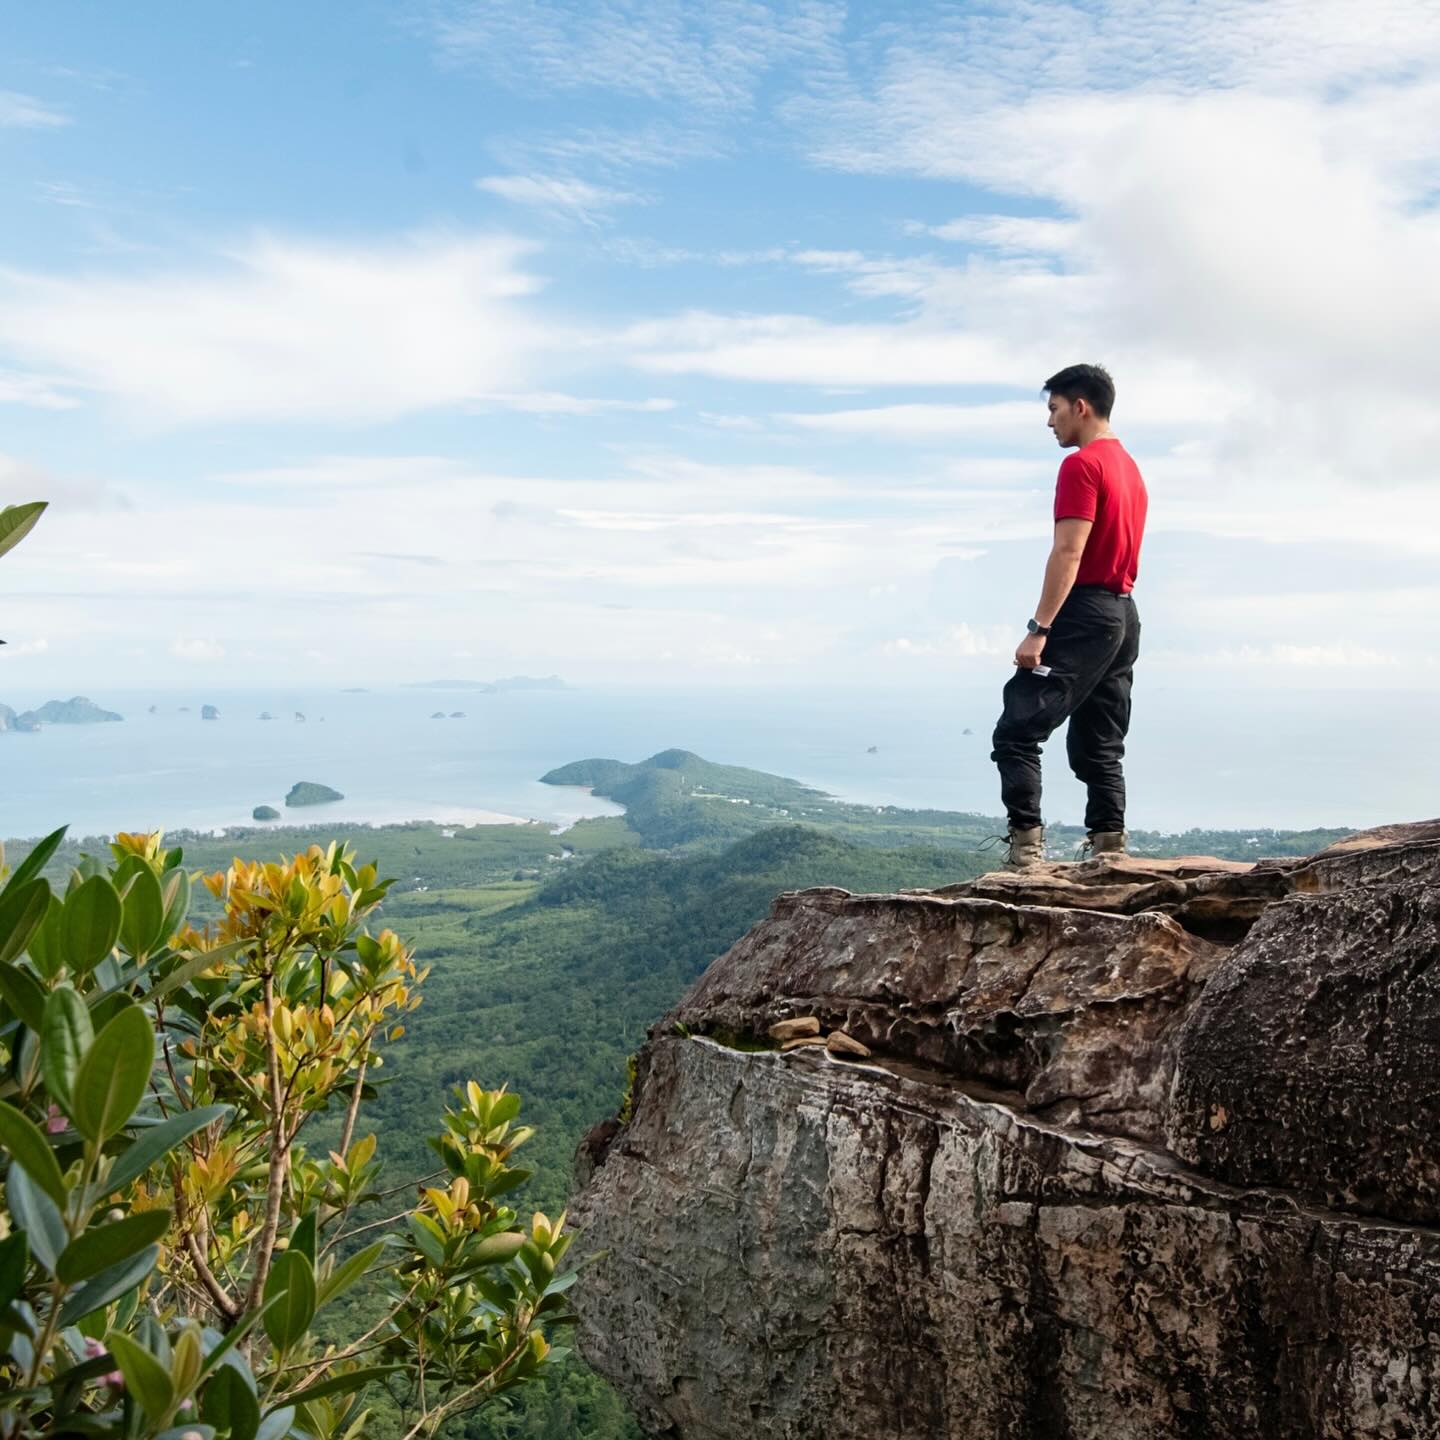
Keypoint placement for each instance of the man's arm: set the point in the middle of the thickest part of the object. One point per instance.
(1061, 567)
(1060, 571)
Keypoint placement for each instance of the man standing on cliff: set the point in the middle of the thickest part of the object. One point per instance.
(1077, 661)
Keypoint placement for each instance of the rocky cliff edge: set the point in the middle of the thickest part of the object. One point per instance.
(1141, 1149)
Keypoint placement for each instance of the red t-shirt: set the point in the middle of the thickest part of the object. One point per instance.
(1101, 483)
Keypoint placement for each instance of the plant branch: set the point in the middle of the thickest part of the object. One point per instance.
(348, 1130)
(279, 1154)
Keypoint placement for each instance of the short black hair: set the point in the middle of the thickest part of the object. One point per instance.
(1091, 383)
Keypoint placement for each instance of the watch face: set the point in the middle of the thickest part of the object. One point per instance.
(1031, 626)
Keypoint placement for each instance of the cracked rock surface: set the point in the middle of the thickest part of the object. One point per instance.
(1145, 1149)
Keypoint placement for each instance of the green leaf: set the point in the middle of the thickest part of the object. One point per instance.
(28, 1148)
(46, 946)
(217, 1356)
(104, 1246)
(507, 1107)
(157, 1141)
(495, 1248)
(291, 1285)
(34, 862)
(17, 521)
(342, 1384)
(276, 1424)
(175, 890)
(112, 1078)
(109, 1285)
(229, 1404)
(429, 1238)
(183, 974)
(65, 1036)
(302, 1238)
(37, 1215)
(507, 1180)
(142, 913)
(344, 1276)
(90, 923)
(14, 1261)
(23, 993)
(145, 1377)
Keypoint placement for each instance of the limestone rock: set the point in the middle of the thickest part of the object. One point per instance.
(775, 1243)
(792, 1029)
(1149, 1150)
(1312, 1061)
(1072, 1009)
(837, 1042)
(800, 1042)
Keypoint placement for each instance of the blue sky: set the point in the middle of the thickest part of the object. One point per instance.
(702, 342)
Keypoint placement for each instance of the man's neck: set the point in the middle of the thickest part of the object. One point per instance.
(1101, 431)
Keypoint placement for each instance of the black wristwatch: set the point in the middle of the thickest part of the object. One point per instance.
(1035, 629)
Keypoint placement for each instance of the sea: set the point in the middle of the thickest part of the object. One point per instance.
(1283, 759)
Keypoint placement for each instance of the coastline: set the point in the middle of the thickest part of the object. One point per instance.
(314, 818)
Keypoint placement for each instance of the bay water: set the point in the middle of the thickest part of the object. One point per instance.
(1287, 759)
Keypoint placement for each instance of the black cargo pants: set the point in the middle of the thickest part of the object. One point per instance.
(1091, 652)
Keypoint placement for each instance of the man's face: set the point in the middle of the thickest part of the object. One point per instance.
(1064, 420)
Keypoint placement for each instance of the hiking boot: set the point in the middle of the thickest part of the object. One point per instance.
(1026, 848)
(1100, 843)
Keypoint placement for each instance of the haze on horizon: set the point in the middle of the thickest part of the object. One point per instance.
(696, 343)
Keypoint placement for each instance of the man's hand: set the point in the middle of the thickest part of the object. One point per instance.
(1032, 647)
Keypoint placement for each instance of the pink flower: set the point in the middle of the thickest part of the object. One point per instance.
(114, 1378)
(93, 1348)
(55, 1122)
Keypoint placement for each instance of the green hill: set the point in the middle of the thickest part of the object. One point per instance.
(677, 800)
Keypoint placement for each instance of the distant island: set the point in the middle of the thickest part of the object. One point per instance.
(265, 812)
(209, 712)
(492, 687)
(77, 711)
(307, 792)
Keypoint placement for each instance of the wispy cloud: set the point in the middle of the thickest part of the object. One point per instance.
(569, 198)
(37, 391)
(25, 112)
(551, 402)
(197, 648)
(287, 329)
(711, 56)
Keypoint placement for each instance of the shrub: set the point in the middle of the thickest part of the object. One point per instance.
(167, 1241)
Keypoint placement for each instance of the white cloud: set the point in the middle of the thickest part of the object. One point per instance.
(798, 349)
(1307, 657)
(285, 329)
(961, 641)
(37, 391)
(1022, 420)
(198, 648)
(1015, 234)
(551, 402)
(25, 112)
(574, 199)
